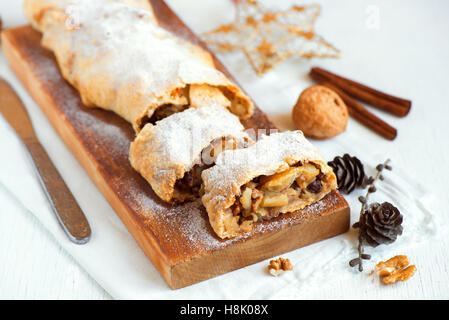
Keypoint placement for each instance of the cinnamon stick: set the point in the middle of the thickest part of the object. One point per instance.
(361, 114)
(394, 105)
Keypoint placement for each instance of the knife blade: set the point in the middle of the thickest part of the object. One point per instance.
(64, 205)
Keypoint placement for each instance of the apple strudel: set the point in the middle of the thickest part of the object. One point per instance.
(280, 173)
(120, 59)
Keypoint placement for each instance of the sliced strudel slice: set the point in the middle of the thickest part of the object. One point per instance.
(280, 173)
(172, 154)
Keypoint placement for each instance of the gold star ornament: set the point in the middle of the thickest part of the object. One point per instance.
(268, 37)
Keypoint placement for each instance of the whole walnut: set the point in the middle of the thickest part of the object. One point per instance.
(320, 113)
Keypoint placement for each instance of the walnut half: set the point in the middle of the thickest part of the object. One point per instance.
(395, 269)
(279, 265)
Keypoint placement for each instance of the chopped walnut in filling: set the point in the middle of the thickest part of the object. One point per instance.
(264, 198)
(189, 187)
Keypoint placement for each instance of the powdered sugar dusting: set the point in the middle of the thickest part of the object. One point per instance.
(263, 158)
(185, 230)
(180, 138)
(133, 46)
(119, 48)
(93, 122)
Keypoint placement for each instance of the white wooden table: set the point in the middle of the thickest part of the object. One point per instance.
(408, 37)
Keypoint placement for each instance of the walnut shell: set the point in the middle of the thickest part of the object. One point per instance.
(320, 113)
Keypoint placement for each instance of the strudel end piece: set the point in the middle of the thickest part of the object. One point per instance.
(120, 59)
(172, 154)
(280, 173)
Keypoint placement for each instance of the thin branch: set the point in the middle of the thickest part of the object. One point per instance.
(364, 200)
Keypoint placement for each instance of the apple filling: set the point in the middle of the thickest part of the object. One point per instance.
(265, 197)
(196, 96)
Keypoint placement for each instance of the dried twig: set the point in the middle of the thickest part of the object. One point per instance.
(364, 200)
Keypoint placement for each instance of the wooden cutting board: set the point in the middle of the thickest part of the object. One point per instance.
(178, 240)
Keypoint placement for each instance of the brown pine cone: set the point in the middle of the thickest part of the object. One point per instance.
(349, 172)
(380, 224)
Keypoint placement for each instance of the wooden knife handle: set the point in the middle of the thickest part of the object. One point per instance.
(67, 210)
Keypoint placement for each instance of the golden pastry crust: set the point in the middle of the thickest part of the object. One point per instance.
(271, 155)
(36, 11)
(320, 113)
(119, 59)
(165, 152)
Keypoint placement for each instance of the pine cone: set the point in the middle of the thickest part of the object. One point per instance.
(349, 171)
(380, 224)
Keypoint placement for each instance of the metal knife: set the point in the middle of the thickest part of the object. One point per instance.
(64, 205)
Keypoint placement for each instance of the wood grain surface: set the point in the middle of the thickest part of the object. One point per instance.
(178, 240)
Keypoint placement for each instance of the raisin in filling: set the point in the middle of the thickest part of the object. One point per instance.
(190, 186)
(191, 182)
(165, 111)
(161, 113)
